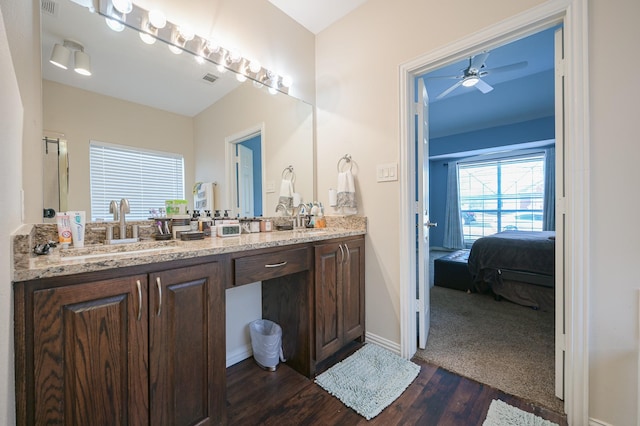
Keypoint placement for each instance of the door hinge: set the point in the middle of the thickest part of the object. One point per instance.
(419, 305)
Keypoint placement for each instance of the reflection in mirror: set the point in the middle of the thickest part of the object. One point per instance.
(55, 175)
(146, 97)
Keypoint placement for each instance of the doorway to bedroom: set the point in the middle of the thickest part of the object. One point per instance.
(496, 139)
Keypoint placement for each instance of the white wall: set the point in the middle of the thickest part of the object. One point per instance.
(11, 120)
(614, 237)
(288, 140)
(358, 112)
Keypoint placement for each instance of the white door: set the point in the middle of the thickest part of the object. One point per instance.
(245, 181)
(422, 213)
(560, 214)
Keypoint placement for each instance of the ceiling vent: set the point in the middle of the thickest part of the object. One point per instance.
(209, 77)
(49, 7)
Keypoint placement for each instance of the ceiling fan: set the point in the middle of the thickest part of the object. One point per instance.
(472, 75)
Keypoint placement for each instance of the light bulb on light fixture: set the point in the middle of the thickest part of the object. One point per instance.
(114, 25)
(255, 66)
(241, 78)
(206, 50)
(155, 21)
(179, 39)
(287, 81)
(123, 6)
(470, 81)
(221, 68)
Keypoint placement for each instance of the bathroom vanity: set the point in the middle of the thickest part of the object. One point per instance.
(139, 337)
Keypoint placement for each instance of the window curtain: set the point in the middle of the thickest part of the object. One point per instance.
(453, 235)
(549, 208)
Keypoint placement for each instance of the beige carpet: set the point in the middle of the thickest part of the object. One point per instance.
(504, 345)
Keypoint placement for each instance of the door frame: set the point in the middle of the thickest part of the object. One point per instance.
(573, 14)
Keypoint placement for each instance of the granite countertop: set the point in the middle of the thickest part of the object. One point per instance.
(98, 257)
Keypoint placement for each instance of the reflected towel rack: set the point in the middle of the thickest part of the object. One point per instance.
(344, 161)
(288, 173)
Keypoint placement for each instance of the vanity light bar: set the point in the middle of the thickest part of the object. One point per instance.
(225, 59)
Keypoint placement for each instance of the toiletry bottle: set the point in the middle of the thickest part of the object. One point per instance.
(194, 221)
(321, 222)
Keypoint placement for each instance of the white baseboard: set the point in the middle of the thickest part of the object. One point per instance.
(381, 341)
(244, 352)
(594, 422)
(239, 354)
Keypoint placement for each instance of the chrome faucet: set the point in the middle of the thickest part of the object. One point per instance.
(284, 207)
(113, 208)
(124, 208)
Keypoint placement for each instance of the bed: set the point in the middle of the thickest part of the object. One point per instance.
(516, 265)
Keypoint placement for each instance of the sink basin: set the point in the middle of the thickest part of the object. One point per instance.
(130, 248)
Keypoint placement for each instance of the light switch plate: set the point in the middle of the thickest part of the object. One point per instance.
(271, 187)
(387, 172)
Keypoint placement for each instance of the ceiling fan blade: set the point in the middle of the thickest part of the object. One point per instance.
(478, 60)
(483, 87)
(506, 68)
(449, 90)
(445, 77)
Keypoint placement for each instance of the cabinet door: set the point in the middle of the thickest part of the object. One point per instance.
(353, 290)
(328, 299)
(187, 352)
(90, 354)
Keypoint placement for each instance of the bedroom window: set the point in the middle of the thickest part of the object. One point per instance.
(501, 194)
(146, 178)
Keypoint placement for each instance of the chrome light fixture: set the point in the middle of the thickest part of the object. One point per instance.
(153, 25)
(62, 53)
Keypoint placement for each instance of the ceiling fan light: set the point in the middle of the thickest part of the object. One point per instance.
(470, 81)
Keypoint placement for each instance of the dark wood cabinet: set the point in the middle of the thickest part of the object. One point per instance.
(339, 295)
(137, 350)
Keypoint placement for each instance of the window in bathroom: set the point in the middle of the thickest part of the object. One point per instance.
(146, 178)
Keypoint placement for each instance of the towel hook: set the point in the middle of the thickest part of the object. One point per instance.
(287, 173)
(347, 160)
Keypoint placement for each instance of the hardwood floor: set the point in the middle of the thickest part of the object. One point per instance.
(436, 397)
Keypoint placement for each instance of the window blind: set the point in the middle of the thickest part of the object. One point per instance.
(146, 178)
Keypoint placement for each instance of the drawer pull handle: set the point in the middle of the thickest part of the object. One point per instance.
(342, 253)
(159, 286)
(348, 253)
(139, 299)
(275, 265)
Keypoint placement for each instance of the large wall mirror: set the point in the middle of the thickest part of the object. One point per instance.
(145, 96)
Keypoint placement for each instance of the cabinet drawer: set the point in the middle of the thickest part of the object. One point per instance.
(270, 265)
